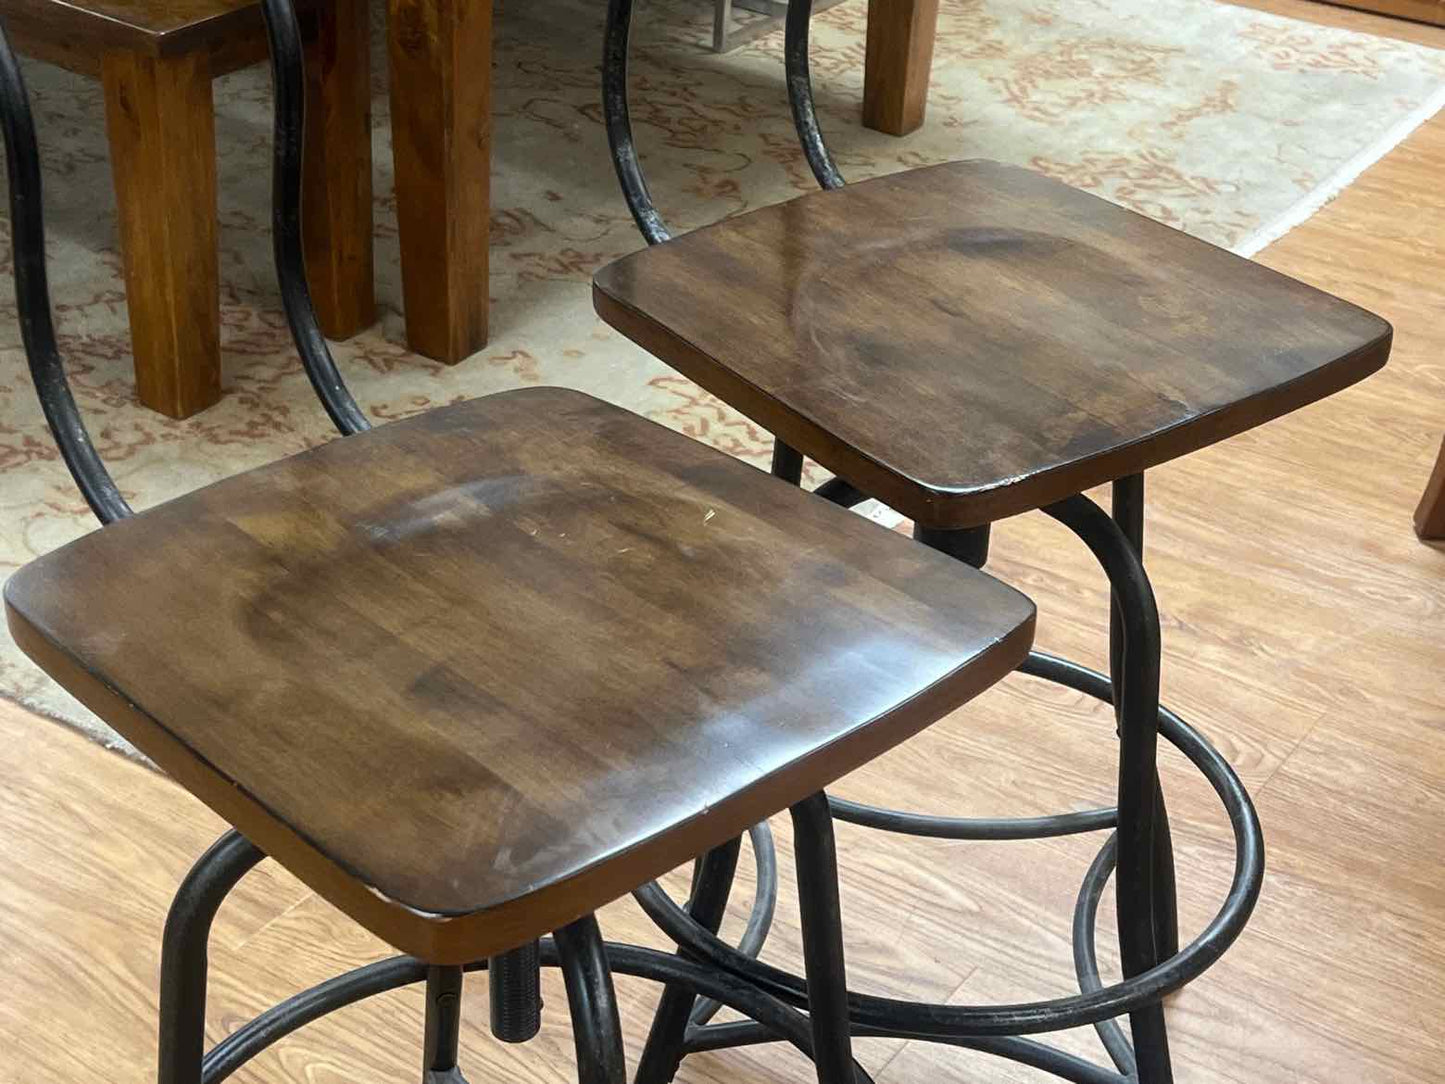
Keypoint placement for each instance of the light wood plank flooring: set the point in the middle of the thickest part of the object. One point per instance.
(1303, 632)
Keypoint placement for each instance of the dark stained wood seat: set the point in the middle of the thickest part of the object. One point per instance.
(473, 674)
(973, 340)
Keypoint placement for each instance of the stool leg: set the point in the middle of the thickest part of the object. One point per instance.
(1137, 707)
(817, 862)
(183, 955)
(1128, 511)
(1166, 903)
(443, 1026)
(712, 884)
(595, 1026)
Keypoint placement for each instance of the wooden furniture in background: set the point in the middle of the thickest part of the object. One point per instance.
(441, 128)
(726, 36)
(900, 60)
(156, 60)
(1068, 366)
(1430, 515)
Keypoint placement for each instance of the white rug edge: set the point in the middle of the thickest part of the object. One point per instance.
(1346, 175)
(101, 735)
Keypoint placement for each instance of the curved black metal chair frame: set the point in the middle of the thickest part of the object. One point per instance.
(587, 963)
(1138, 849)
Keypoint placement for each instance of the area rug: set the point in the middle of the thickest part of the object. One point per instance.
(1219, 120)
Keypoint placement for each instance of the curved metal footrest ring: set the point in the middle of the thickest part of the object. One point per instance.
(760, 918)
(777, 1020)
(999, 1029)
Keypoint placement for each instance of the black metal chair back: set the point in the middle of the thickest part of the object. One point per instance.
(618, 118)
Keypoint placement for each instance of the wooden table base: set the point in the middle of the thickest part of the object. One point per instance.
(900, 59)
(1430, 516)
(441, 131)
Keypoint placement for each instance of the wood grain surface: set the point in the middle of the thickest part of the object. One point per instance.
(154, 27)
(441, 119)
(336, 198)
(990, 342)
(1302, 633)
(476, 673)
(899, 61)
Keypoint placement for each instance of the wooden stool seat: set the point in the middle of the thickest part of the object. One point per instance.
(973, 340)
(473, 674)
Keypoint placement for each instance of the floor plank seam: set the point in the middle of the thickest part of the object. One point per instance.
(878, 1074)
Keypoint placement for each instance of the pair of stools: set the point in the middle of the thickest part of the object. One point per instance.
(472, 675)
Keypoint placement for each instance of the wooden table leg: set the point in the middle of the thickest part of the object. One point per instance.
(1430, 516)
(899, 62)
(162, 134)
(336, 195)
(440, 54)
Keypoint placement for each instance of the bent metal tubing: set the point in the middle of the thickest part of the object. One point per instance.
(890, 1016)
(1140, 846)
(218, 871)
(999, 1029)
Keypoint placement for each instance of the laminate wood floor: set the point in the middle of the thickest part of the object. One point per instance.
(1303, 633)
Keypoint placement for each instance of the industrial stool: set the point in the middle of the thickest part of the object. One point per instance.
(965, 343)
(474, 674)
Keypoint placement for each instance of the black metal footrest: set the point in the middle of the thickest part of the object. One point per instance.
(1000, 1029)
(780, 1022)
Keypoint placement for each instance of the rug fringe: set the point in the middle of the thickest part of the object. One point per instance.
(1341, 178)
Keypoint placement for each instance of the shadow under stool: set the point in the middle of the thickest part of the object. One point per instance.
(965, 343)
(474, 674)
(1430, 515)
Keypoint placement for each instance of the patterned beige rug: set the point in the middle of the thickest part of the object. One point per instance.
(1225, 122)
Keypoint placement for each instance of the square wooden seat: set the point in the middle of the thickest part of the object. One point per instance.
(973, 340)
(473, 674)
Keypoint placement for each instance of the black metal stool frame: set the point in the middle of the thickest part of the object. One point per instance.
(586, 961)
(1139, 848)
